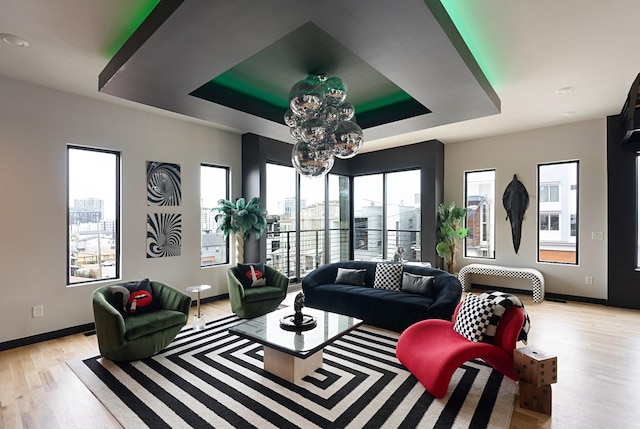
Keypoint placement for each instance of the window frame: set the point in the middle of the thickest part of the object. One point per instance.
(226, 244)
(486, 236)
(550, 208)
(117, 220)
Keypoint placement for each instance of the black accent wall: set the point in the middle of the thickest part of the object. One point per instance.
(428, 156)
(623, 278)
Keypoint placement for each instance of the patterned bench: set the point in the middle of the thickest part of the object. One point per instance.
(535, 276)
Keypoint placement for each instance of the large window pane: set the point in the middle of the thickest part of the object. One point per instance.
(93, 215)
(558, 212)
(403, 214)
(367, 198)
(281, 218)
(214, 186)
(480, 191)
(338, 218)
(312, 254)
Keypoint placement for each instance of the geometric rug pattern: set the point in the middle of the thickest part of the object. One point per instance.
(211, 378)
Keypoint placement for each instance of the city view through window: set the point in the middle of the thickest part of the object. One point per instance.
(214, 186)
(480, 191)
(558, 212)
(93, 206)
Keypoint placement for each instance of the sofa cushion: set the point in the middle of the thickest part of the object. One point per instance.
(148, 323)
(416, 284)
(135, 297)
(473, 317)
(252, 275)
(388, 276)
(347, 276)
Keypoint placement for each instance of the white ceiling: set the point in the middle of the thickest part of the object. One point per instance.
(528, 49)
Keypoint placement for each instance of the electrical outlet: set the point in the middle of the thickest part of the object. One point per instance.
(37, 311)
(597, 235)
(588, 280)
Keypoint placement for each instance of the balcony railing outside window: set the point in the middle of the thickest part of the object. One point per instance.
(281, 250)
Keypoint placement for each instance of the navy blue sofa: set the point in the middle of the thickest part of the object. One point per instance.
(393, 310)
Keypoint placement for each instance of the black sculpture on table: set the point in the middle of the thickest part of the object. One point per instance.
(516, 201)
(298, 322)
(298, 303)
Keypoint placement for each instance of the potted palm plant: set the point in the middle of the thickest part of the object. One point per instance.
(451, 220)
(243, 219)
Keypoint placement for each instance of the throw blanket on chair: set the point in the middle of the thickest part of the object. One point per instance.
(501, 301)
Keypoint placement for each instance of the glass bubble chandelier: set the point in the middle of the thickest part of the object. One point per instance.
(322, 124)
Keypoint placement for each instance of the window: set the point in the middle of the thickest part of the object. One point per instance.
(479, 193)
(338, 218)
(558, 218)
(281, 218)
(549, 193)
(387, 215)
(367, 199)
(550, 222)
(93, 209)
(214, 186)
(403, 214)
(312, 223)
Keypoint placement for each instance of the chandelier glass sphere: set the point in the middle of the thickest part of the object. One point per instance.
(322, 124)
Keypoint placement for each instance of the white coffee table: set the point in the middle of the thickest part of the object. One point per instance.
(293, 355)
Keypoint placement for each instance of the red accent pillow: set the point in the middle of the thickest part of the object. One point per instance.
(133, 297)
(252, 277)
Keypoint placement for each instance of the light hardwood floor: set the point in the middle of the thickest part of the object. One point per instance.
(598, 350)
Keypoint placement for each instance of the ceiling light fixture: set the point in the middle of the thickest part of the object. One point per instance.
(321, 123)
(14, 40)
(565, 90)
(568, 113)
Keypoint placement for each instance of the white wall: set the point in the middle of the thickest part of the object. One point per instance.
(36, 124)
(519, 154)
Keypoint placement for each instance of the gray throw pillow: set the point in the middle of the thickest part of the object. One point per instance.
(416, 284)
(348, 276)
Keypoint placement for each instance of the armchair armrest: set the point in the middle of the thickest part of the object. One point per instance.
(109, 322)
(277, 279)
(236, 291)
(171, 298)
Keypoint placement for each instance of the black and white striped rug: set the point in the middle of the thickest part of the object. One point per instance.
(213, 379)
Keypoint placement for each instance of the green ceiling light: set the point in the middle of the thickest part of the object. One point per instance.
(320, 121)
(461, 17)
(131, 24)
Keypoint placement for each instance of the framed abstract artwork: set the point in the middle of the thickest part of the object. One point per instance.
(164, 235)
(163, 184)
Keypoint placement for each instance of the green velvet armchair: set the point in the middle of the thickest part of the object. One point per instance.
(252, 302)
(132, 337)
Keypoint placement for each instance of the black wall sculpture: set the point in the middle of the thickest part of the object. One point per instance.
(516, 201)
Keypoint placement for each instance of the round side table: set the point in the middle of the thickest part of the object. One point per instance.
(198, 318)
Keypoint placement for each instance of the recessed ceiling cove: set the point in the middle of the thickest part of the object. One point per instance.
(233, 63)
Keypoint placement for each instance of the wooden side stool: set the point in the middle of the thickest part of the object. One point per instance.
(536, 371)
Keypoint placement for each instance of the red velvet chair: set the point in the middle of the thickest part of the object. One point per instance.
(432, 350)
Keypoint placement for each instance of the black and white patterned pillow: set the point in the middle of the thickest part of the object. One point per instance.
(473, 318)
(388, 276)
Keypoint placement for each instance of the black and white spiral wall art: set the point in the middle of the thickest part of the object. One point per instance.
(164, 235)
(163, 184)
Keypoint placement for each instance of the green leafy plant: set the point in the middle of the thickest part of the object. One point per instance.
(451, 219)
(246, 218)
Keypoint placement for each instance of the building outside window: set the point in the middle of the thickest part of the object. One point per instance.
(93, 240)
(558, 218)
(387, 214)
(480, 220)
(214, 186)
